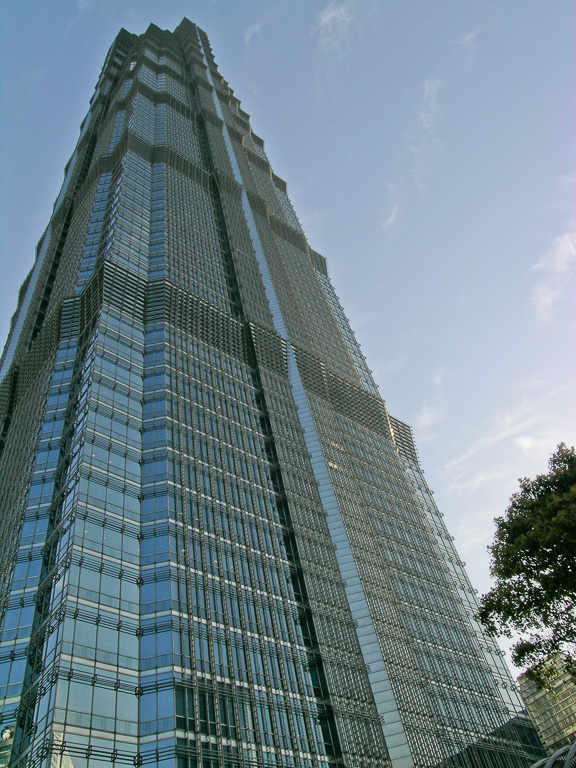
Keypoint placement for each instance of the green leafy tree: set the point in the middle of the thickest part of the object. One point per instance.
(534, 566)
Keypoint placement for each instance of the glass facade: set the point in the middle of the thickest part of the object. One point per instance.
(218, 548)
(553, 710)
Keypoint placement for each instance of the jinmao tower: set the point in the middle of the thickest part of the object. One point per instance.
(218, 547)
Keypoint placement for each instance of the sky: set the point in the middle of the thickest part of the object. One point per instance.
(428, 149)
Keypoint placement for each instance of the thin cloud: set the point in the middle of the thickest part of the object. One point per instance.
(392, 207)
(432, 411)
(387, 367)
(569, 179)
(469, 39)
(538, 446)
(423, 136)
(391, 218)
(255, 29)
(338, 28)
(557, 268)
(438, 378)
(82, 8)
(334, 28)
(532, 430)
(429, 109)
(469, 44)
(473, 483)
(474, 533)
(428, 415)
(507, 424)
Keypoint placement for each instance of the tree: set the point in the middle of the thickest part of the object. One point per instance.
(534, 565)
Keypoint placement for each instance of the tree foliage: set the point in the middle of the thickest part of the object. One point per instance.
(534, 567)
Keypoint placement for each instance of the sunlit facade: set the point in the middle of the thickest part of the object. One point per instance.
(218, 547)
(553, 709)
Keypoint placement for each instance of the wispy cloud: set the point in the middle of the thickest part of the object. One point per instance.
(535, 445)
(255, 29)
(429, 108)
(518, 437)
(334, 28)
(470, 38)
(433, 410)
(428, 415)
(473, 483)
(84, 10)
(438, 378)
(474, 534)
(423, 139)
(569, 179)
(557, 268)
(391, 207)
(386, 367)
(507, 424)
(338, 30)
(392, 217)
(469, 43)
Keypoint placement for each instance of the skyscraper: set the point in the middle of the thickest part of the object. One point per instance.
(218, 547)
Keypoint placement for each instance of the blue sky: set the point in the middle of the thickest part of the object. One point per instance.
(428, 148)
